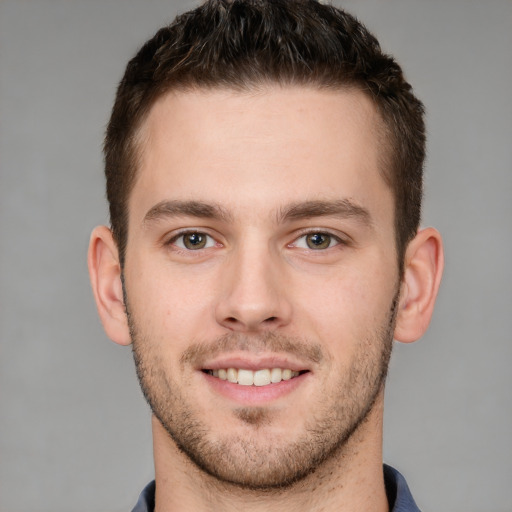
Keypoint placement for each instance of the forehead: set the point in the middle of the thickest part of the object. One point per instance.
(275, 144)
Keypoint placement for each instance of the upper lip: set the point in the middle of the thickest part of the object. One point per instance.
(253, 362)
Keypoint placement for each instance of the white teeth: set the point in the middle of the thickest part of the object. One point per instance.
(257, 378)
(276, 375)
(261, 377)
(245, 377)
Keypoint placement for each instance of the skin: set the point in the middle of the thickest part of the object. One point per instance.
(256, 173)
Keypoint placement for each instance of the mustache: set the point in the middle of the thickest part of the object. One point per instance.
(268, 341)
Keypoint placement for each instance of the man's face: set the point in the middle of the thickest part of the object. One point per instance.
(261, 249)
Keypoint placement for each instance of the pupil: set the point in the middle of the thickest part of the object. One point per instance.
(195, 239)
(318, 241)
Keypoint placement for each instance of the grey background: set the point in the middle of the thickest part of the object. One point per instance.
(74, 429)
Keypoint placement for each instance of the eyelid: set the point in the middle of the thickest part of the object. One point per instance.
(340, 239)
(170, 239)
(176, 235)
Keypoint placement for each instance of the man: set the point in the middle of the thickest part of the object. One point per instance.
(264, 174)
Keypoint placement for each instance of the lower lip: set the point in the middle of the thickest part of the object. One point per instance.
(254, 395)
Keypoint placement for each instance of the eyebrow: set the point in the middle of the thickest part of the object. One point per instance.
(199, 209)
(343, 208)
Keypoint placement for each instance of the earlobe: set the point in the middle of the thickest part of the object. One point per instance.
(423, 268)
(105, 275)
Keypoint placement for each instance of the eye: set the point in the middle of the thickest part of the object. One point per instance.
(316, 241)
(193, 241)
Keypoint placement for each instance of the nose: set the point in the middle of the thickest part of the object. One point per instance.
(253, 297)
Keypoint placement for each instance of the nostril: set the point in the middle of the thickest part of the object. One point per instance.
(233, 320)
(250, 322)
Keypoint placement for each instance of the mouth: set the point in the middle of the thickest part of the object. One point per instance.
(259, 378)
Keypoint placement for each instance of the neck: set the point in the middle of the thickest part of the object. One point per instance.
(351, 480)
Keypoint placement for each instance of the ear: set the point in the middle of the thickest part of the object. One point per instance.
(105, 274)
(423, 268)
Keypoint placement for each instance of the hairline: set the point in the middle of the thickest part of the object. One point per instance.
(139, 136)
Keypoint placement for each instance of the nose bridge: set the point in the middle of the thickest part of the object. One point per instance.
(253, 297)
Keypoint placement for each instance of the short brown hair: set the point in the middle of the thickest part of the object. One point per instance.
(240, 44)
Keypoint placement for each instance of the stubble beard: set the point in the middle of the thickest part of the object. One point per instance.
(240, 460)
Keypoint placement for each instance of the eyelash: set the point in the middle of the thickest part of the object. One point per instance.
(211, 242)
(173, 241)
(332, 238)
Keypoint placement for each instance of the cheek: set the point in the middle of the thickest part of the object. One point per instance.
(168, 306)
(349, 305)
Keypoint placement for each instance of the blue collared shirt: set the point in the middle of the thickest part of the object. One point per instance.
(397, 490)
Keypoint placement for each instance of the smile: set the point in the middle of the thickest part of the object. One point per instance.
(262, 377)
